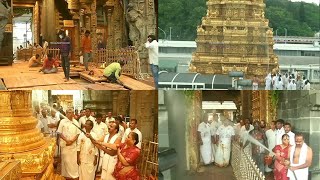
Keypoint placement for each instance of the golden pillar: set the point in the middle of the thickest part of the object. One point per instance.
(20, 139)
(261, 104)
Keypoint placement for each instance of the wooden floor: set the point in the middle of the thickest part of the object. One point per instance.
(20, 77)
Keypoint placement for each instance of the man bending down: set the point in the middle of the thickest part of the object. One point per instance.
(113, 71)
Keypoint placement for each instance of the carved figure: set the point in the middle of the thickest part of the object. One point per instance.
(135, 20)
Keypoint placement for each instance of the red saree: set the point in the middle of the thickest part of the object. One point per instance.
(280, 171)
(131, 155)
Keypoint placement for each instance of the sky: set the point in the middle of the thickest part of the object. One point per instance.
(308, 1)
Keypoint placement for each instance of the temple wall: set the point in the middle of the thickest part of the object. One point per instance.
(301, 109)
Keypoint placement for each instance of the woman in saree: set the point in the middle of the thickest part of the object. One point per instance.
(128, 156)
(282, 159)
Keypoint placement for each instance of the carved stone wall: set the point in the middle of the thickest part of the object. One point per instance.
(141, 19)
(234, 35)
(6, 47)
(144, 108)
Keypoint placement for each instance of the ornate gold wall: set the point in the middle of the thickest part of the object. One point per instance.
(234, 35)
(262, 108)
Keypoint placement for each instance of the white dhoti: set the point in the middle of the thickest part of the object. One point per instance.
(108, 167)
(213, 147)
(69, 166)
(222, 156)
(87, 171)
(206, 152)
(99, 166)
(300, 174)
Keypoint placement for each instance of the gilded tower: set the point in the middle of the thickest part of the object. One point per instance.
(20, 140)
(234, 36)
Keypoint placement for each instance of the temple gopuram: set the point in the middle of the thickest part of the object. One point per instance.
(234, 36)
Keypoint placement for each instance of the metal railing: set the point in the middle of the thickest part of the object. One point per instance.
(243, 165)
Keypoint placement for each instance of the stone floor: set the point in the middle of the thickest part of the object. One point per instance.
(216, 173)
(211, 172)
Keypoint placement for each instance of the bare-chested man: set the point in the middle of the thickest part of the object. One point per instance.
(258, 152)
(300, 159)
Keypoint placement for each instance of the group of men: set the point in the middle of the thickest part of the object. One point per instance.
(215, 140)
(269, 137)
(86, 141)
(215, 137)
(286, 81)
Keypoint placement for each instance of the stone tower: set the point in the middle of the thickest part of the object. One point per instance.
(234, 36)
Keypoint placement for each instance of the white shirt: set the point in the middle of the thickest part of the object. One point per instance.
(291, 138)
(57, 115)
(87, 149)
(45, 122)
(214, 126)
(100, 129)
(83, 120)
(306, 86)
(279, 133)
(294, 86)
(205, 131)
(153, 51)
(68, 130)
(52, 120)
(39, 125)
(271, 138)
(121, 131)
(279, 85)
(225, 133)
(109, 120)
(128, 131)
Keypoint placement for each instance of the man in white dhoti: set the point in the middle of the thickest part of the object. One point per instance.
(109, 146)
(87, 116)
(224, 135)
(271, 138)
(268, 80)
(287, 130)
(214, 127)
(87, 153)
(279, 131)
(204, 135)
(132, 128)
(68, 133)
(101, 129)
(45, 121)
(52, 123)
(300, 159)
